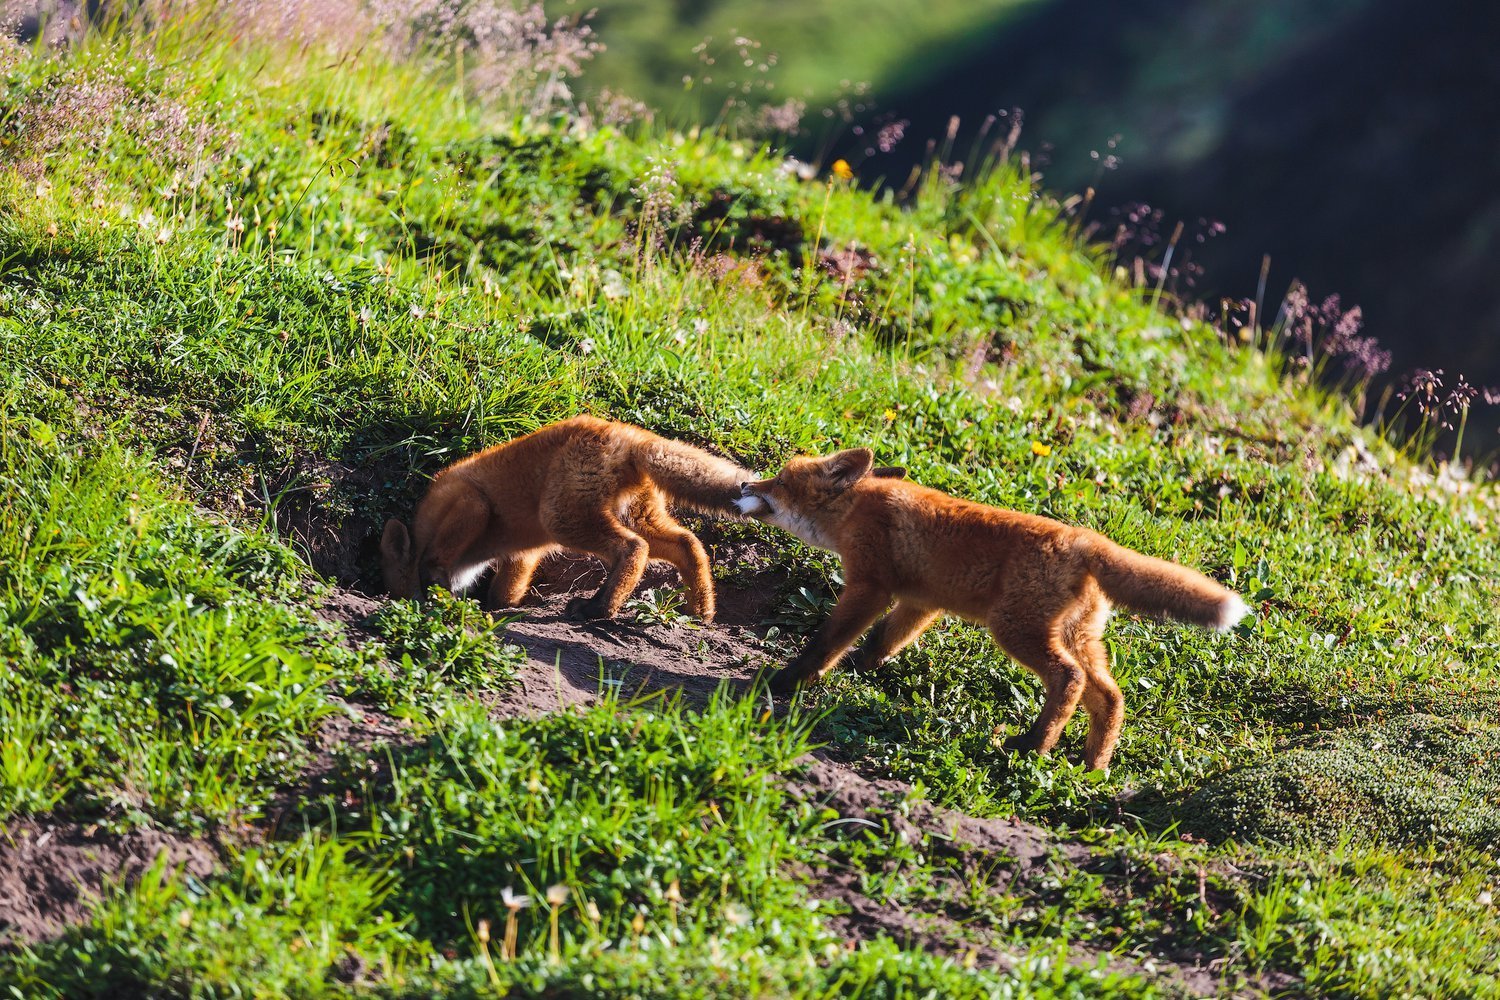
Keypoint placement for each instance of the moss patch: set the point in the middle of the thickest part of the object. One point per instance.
(1413, 781)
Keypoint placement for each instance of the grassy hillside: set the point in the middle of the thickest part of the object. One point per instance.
(252, 294)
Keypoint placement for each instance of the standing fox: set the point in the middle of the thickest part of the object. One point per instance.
(585, 484)
(1043, 588)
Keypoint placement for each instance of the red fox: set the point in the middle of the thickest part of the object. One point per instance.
(585, 484)
(1043, 588)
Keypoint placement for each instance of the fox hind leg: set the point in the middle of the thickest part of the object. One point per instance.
(670, 542)
(1036, 647)
(683, 550)
(1101, 695)
(1081, 632)
(893, 633)
(624, 553)
(1105, 705)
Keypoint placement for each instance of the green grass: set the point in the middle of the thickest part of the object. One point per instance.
(432, 652)
(331, 277)
(1415, 780)
(156, 671)
(663, 834)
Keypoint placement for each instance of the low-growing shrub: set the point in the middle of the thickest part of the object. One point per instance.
(1414, 781)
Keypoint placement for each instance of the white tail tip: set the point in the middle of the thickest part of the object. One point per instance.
(1230, 613)
(750, 505)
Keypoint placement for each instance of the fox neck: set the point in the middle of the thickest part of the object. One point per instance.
(803, 527)
(814, 528)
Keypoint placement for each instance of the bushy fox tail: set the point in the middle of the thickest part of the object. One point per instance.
(1157, 587)
(692, 477)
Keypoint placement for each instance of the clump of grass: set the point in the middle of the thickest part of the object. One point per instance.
(442, 647)
(616, 806)
(1375, 922)
(299, 918)
(1412, 781)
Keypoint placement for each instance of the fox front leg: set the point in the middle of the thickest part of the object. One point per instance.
(856, 611)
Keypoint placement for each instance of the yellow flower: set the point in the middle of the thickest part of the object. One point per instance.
(890, 415)
(1040, 450)
(842, 170)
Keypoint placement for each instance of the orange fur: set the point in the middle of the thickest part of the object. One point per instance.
(1043, 588)
(584, 484)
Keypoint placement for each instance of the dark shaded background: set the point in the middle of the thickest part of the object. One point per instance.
(1356, 143)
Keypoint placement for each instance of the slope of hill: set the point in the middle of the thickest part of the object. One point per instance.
(252, 294)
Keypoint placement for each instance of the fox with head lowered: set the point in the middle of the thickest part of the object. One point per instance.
(584, 484)
(1044, 589)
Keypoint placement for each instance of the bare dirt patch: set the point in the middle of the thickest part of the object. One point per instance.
(350, 609)
(1016, 850)
(50, 872)
(572, 663)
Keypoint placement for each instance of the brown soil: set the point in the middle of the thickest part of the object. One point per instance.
(51, 872)
(571, 663)
(341, 546)
(1016, 850)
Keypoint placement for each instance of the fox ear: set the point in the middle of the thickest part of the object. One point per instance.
(848, 467)
(889, 472)
(395, 543)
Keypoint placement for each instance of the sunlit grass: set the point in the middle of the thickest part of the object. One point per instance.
(331, 277)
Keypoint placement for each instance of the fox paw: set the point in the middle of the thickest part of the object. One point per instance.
(586, 609)
(785, 682)
(1022, 743)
